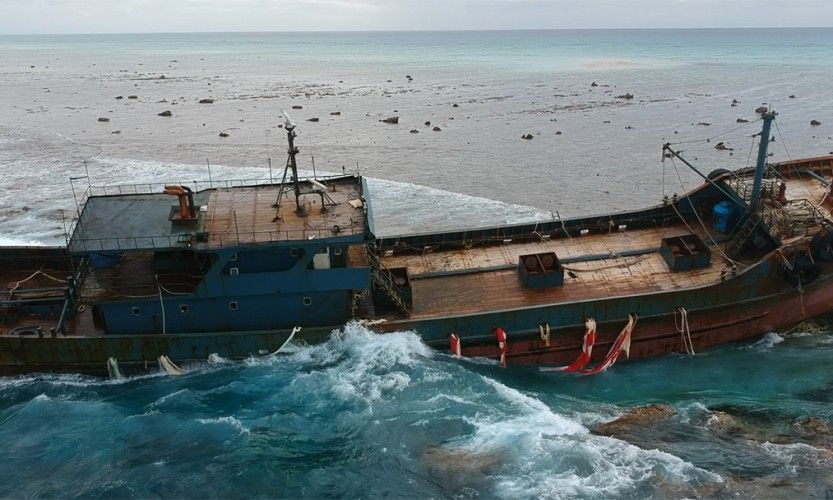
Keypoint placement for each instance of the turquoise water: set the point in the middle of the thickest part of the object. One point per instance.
(382, 416)
(372, 416)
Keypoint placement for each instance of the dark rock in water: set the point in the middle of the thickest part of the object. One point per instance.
(628, 127)
(735, 102)
(389, 81)
(297, 106)
(594, 84)
(223, 134)
(557, 132)
(335, 113)
(635, 419)
(815, 123)
(119, 97)
(792, 96)
(132, 97)
(409, 77)
(103, 119)
(606, 121)
(704, 124)
(772, 139)
(742, 120)
(166, 113)
(528, 137)
(206, 101)
(455, 105)
(414, 131)
(428, 123)
(761, 110)
(627, 95)
(313, 119)
(722, 147)
(436, 129)
(161, 77)
(813, 427)
(116, 132)
(391, 119)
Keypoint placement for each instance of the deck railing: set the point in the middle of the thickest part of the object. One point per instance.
(162, 241)
(224, 239)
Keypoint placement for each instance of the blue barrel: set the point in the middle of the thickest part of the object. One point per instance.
(724, 216)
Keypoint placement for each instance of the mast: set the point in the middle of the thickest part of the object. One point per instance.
(760, 167)
(290, 136)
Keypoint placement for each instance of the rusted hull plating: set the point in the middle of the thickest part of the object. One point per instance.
(776, 306)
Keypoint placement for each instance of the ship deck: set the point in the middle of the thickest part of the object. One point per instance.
(246, 215)
(481, 279)
(226, 215)
(486, 278)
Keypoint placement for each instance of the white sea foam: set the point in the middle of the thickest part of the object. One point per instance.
(227, 420)
(768, 341)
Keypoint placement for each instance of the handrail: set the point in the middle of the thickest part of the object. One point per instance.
(109, 244)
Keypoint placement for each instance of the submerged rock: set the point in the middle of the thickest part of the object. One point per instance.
(634, 419)
(335, 113)
(436, 129)
(313, 119)
(132, 97)
(428, 123)
(206, 101)
(815, 123)
(527, 137)
(297, 106)
(722, 147)
(627, 96)
(103, 119)
(391, 119)
(414, 131)
(742, 120)
(166, 113)
(223, 134)
(761, 110)
(119, 97)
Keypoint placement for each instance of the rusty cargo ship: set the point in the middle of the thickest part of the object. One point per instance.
(179, 272)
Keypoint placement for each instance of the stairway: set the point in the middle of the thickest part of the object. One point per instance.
(741, 238)
(382, 278)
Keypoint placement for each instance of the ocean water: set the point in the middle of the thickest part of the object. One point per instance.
(372, 416)
(369, 416)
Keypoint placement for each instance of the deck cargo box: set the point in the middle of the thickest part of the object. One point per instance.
(540, 270)
(686, 252)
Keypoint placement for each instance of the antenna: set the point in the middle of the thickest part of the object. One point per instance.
(289, 125)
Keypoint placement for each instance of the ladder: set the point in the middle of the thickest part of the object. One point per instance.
(383, 279)
(741, 238)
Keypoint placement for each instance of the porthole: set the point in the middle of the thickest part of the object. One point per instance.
(183, 308)
(293, 252)
(232, 305)
(136, 310)
(307, 301)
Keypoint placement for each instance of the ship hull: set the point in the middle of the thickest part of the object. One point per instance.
(764, 302)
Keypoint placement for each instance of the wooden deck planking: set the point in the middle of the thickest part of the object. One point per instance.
(496, 290)
(508, 254)
(474, 292)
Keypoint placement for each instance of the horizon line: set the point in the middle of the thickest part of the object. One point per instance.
(473, 30)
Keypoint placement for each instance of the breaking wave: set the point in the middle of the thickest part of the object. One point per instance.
(383, 413)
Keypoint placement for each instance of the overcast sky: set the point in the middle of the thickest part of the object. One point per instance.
(129, 16)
